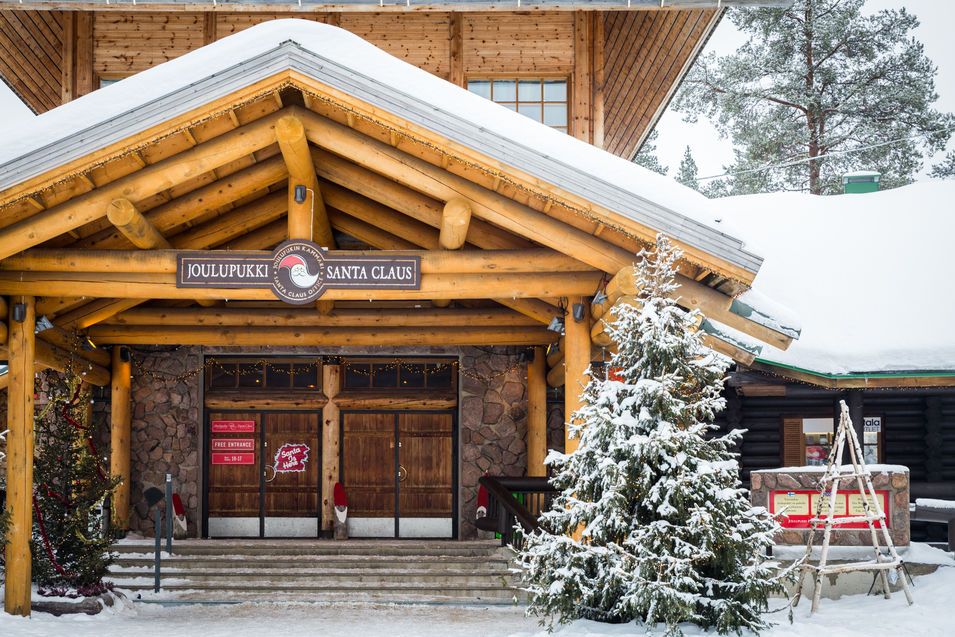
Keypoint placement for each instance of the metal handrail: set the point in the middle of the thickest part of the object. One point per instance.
(513, 502)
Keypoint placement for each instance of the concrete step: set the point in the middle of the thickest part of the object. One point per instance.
(480, 597)
(434, 562)
(323, 578)
(229, 591)
(266, 548)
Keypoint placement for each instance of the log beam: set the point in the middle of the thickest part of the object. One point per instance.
(307, 219)
(163, 286)
(120, 435)
(319, 336)
(61, 360)
(537, 413)
(576, 362)
(20, 359)
(139, 185)
(455, 221)
(542, 260)
(134, 226)
(341, 317)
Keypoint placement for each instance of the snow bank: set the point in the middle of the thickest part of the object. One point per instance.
(865, 274)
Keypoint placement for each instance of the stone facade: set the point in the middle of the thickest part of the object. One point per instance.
(891, 478)
(166, 417)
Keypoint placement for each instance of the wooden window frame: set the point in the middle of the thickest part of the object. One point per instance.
(567, 78)
(264, 389)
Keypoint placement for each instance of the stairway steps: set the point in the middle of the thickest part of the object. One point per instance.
(308, 571)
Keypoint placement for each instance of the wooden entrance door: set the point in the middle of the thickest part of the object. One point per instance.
(292, 468)
(234, 462)
(263, 474)
(398, 472)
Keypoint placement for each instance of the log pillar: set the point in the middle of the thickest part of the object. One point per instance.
(455, 221)
(537, 414)
(331, 384)
(120, 437)
(20, 352)
(576, 362)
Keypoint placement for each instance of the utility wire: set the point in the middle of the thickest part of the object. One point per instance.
(806, 160)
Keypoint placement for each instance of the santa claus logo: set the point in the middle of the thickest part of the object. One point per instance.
(297, 272)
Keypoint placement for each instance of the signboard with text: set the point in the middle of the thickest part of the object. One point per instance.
(233, 444)
(233, 458)
(799, 507)
(232, 426)
(298, 272)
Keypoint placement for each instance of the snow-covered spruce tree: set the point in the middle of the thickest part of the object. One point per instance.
(70, 548)
(647, 157)
(650, 523)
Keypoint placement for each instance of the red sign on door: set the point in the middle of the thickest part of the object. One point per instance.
(233, 458)
(233, 444)
(232, 426)
(291, 458)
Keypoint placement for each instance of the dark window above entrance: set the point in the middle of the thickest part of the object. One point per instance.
(404, 374)
(267, 375)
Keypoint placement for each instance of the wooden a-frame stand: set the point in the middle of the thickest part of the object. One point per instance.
(829, 488)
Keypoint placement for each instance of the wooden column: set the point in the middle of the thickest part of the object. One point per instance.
(331, 384)
(537, 413)
(576, 361)
(581, 124)
(307, 219)
(20, 353)
(84, 78)
(456, 61)
(120, 439)
(599, 78)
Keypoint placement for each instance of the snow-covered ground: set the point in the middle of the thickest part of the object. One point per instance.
(855, 616)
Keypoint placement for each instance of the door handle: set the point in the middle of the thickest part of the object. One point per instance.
(402, 473)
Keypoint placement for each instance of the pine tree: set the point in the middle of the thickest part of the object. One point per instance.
(650, 522)
(688, 172)
(647, 157)
(945, 169)
(819, 78)
(70, 547)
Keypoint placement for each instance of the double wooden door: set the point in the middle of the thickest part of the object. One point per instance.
(263, 474)
(398, 472)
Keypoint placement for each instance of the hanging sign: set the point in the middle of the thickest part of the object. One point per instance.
(291, 458)
(233, 458)
(232, 426)
(797, 508)
(298, 272)
(233, 444)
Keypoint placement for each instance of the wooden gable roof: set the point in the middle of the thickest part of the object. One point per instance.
(93, 213)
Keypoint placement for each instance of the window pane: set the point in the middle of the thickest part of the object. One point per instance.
(412, 375)
(222, 376)
(278, 375)
(385, 375)
(555, 90)
(480, 87)
(510, 105)
(306, 376)
(357, 376)
(504, 91)
(555, 114)
(439, 376)
(250, 375)
(529, 90)
(530, 110)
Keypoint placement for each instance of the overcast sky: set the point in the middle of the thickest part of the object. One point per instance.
(937, 19)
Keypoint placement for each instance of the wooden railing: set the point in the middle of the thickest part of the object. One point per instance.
(515, 502)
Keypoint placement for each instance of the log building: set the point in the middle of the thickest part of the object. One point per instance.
(299, 260)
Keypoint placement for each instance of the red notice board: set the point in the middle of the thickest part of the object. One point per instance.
(232, 426)
(799, 506)
(233, 444)
(233, 458)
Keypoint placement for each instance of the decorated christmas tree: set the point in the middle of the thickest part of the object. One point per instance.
(651, 523)
(70, 546)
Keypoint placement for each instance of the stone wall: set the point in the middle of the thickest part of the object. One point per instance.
(891, 478)
(166, 418)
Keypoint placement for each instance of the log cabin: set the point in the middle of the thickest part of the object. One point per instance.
(181, 143)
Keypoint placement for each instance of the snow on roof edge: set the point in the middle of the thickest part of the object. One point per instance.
(674, 209)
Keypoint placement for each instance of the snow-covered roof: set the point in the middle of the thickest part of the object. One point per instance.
(866, 274)
(344, 61)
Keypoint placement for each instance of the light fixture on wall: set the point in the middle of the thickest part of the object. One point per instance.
(19, 312)
(124, 354)
(579, 310)
(300, 193)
